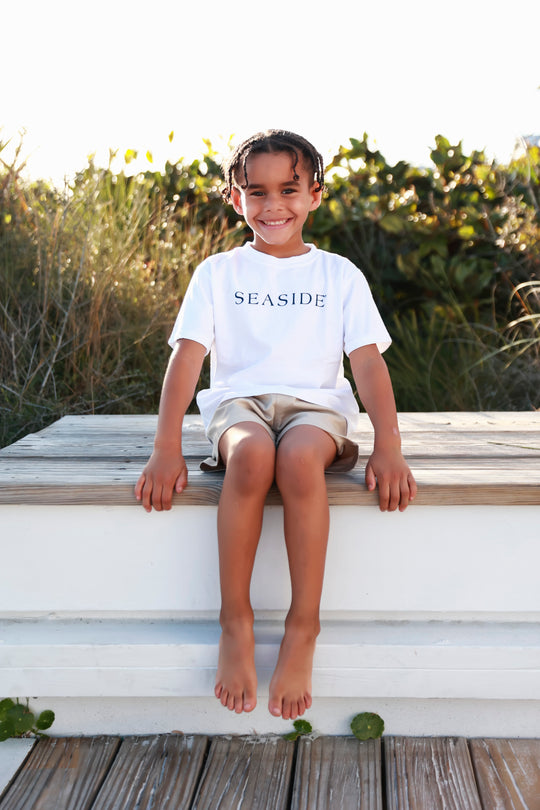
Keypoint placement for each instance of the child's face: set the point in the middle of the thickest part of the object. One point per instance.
(274, 205)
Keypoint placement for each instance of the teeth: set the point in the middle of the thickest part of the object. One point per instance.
(276, 222)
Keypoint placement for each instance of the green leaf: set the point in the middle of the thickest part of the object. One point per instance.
(6, 730)
(45, 720)
(466, 232)
(5, 706)
(303, 726)
(367, 726)
(22, 718)
(392, 223)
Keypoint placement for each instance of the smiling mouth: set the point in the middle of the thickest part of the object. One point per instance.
(274, 223)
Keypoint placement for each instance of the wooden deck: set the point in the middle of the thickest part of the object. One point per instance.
(457, 458)
(176, 771)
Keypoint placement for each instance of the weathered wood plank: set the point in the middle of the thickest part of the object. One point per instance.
(508, 773)
(434, 773)
(62, 773)
(154, 773)
(423, 434)
(247, 773)
(340, 773)
(106, 483)
(429, 445)
(458, 459)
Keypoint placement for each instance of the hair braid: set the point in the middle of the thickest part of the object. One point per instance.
(273, 140)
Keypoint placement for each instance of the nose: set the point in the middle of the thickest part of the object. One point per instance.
(273, 201)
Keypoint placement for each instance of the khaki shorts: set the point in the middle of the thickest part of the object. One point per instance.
(278, 413)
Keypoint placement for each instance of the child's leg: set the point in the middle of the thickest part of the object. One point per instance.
(302, 457)
(249, 455)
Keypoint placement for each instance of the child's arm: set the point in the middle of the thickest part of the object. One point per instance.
(166, 469)
(386, 466)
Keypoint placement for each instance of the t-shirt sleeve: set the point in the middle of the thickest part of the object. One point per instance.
(362, 321)
(195, 321)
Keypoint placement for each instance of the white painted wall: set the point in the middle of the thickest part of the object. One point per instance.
(453, 559)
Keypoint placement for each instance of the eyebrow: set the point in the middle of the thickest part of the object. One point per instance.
(287, 183)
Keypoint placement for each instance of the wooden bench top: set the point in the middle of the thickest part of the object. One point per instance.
(457, 459)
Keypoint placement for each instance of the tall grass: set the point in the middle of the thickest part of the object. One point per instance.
(438, 365)
(90, 284)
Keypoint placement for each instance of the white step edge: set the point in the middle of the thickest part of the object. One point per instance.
(466, 660)
(196, 715)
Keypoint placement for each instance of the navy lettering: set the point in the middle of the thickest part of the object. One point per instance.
(282, 300)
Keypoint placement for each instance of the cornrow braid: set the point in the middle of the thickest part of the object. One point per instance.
(273, 140)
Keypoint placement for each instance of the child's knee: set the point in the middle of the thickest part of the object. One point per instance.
(252, 463)
(298, 466)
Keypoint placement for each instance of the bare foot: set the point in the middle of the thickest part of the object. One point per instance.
(290, 687)
(236, 679)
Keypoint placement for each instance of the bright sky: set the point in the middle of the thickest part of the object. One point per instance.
(83, 77)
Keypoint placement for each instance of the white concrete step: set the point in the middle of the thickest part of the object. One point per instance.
(464, 660)
(79, 559)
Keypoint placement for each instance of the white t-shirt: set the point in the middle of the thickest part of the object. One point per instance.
(279, 326)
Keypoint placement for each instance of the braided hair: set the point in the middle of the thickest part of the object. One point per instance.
(271, 141)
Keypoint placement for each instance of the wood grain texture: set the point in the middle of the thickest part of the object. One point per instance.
(508, 773)
(429, 774)
(458, 459)
(337, 773)
(62, 774)
(246, 773)
(154, 773)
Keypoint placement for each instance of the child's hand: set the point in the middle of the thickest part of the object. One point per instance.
(165, 473)
(388, 469)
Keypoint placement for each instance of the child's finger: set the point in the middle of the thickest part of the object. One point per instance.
(384, 495)
(405, 496)
(147, 495)
(139, 486)
(394, 496)
(181, 481)
(413, 488)
(371, 480)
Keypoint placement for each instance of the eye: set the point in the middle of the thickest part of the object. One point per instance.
(289, 191)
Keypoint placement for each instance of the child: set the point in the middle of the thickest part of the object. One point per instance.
(276, 315)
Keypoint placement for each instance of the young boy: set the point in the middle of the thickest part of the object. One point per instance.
(276, 315)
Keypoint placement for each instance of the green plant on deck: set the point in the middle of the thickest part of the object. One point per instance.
(367, 726)
(17, 720)
(301, 728)
(364, 726)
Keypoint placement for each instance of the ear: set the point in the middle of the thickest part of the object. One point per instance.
(316, 197)
(236, 201)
